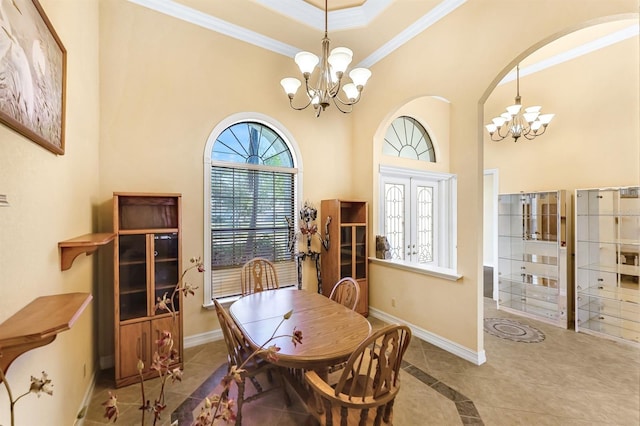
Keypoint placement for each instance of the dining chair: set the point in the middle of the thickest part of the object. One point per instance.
(346, 292)
(258, 274)
(238, 352)
(369, 383)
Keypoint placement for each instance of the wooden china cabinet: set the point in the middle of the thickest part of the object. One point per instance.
(147, 264)
(348, 251)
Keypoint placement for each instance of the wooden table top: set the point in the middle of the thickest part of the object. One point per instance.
(330, 331)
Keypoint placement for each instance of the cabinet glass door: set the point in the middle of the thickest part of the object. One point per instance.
(346, 251)
(540, 216)
(360, 252)
(133, 276)
(165, 267)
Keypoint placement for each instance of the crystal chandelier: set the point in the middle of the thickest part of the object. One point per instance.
(516, 123)
(332, 67)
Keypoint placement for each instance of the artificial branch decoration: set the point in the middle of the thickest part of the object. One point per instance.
(38, 386)
(220, 407)
(165, 355)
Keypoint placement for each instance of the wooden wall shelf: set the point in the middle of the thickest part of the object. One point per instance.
(88, 243)
(38, 324)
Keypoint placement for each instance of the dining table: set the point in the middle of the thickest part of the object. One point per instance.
(330, 331)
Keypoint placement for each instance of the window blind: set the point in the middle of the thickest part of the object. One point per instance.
(248, 210)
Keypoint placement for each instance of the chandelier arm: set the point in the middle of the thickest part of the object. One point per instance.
(500, 134)
(298, 108)
(337, 104)
(347, 103)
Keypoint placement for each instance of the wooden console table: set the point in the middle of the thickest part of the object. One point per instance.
(38, 324)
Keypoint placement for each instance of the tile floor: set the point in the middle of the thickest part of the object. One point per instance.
(568, 379)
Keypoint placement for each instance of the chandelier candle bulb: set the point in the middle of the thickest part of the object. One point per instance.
(515, 123)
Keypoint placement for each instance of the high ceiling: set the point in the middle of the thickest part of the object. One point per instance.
(371, 28)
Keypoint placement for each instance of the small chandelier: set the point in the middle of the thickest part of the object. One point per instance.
(332, 68)
(515, 123)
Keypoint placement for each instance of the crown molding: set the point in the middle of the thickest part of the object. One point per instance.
(187, 14)
(436, 14)
(592, 46)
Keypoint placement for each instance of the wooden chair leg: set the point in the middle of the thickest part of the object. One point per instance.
(388, 410)
(364, 415)
(328, 417)
(281, 382)
(240, 402)
(379, 415)
(344, 416)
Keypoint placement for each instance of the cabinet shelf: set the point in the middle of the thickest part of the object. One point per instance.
(38, 324)
(88, 243)
(612, 268)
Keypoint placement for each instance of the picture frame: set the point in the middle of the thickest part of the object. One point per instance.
(33, 68)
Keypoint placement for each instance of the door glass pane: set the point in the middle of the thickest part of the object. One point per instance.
(394, 222)
(424, 223)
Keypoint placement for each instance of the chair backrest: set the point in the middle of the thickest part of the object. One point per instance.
(258, 274)
(372, 370)
(236, 346)
(346, 292)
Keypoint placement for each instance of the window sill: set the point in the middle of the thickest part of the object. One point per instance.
(434, 271)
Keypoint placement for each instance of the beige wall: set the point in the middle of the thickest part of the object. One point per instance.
(53, 199)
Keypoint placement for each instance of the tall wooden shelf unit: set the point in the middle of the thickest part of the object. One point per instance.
(348, 251)
(608, 263)
(147, 264)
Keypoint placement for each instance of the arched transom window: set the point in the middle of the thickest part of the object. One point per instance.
(407, 138)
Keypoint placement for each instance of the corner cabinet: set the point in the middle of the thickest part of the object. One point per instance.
(607, 262)
(534, 262)
(147, 262)
(348, 251)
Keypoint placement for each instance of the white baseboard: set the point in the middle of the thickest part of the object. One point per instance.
(202, 338)
(108, 361)
(86, 400)
(477, 358)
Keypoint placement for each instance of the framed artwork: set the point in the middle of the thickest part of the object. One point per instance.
(32, 74)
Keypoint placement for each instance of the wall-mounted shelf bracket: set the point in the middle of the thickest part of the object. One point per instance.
(38, 324)
(88, 243)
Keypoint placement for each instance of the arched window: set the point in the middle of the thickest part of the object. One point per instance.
(407, 138)
(252, 181)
